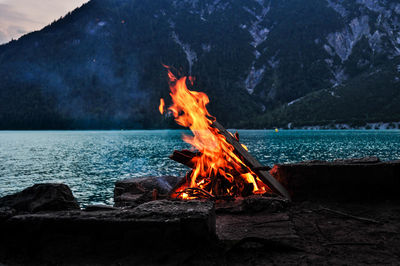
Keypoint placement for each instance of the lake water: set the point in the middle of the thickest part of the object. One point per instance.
(91, 161)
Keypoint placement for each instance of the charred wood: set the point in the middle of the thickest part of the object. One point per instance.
(184, 157)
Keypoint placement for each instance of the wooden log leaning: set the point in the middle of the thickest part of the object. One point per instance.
(252, 163)
(184, 157)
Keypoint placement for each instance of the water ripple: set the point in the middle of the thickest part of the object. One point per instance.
(91, 161)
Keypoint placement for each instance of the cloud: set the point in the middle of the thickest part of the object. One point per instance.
(18, 17)
(3, 37)
(17, 30)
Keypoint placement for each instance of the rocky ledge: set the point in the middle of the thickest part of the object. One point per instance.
(61, 232)
(44, 224)
(365, 179)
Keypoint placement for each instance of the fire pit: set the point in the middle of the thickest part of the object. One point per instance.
(222, 167)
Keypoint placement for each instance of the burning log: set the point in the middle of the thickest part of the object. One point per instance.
(198, 192)
(184, 157)
(187, 158)
(217, 183)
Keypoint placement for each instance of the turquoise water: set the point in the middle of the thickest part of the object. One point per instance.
(91, 161)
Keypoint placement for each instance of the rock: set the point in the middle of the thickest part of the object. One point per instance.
(6, 212)
(135, 191)
(252, 204)
(41, 197)
(132, 200)
(156, 225)
(365, 179)
(176, 208)
(365, 160)
(258, 203)
(262, 226)
(99, 207)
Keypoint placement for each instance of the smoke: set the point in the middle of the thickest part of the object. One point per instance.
(95, 88)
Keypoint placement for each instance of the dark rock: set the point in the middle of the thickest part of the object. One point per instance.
(135, 191)
(158, 224)
(177, 208)
(261, 226)
(365, 160)
(258, 203)
(252, 204)
(95, 208)
(355, 179)
(132, 200)
(6, 212)
(41, 197)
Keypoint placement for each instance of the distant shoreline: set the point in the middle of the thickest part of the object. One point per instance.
(348, 126)
(305, 128)
(289, 126)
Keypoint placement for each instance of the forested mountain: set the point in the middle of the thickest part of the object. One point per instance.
(262, 63)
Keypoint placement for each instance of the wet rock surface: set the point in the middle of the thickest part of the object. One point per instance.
(41, 197)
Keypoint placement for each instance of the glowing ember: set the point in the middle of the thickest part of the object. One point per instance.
(217, 170)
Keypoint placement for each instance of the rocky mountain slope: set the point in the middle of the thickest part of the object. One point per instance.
(262, 63)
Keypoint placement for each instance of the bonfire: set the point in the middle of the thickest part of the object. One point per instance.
(221, 165)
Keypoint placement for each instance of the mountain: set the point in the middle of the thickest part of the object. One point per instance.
(263, 63)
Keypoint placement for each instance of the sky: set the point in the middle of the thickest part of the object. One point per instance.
(18, 17)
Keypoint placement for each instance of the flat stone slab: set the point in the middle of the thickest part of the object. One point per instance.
(162, 211)
(155, 224)
(262, 225)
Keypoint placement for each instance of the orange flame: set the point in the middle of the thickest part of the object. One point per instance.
(161, 106)
(218, 171)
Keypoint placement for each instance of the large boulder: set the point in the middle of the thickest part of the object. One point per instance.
(40, 198)
(135, 191)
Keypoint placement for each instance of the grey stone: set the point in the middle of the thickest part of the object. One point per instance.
(135, 191)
